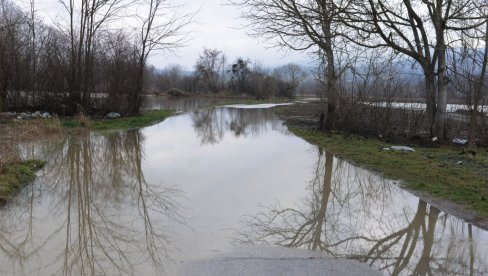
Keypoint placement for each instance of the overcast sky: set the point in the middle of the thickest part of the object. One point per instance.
(216, 26)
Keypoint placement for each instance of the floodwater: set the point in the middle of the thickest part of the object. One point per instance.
(423, 106)
(144, 202)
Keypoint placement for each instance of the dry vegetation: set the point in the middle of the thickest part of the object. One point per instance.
(15, 171)
(15, 132)
(400, 125)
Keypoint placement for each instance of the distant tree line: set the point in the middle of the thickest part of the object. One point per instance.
(84, 61)
(213, 74)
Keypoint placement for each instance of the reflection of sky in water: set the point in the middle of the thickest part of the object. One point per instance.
(224, 181)
(205, 181)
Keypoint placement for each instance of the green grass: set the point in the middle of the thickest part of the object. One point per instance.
(14, 176)
(432, 170)
(145, 119)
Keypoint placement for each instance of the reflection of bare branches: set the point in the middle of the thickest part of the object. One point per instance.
(18, 240)
(209, 124)
(112, 219)
(178, 104)
(352, 213)
(212, 123)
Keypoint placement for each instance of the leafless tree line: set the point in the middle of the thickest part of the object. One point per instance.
(84, 61)
(427, 33)
(213, 74)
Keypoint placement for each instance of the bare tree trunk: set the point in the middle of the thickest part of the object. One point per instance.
(3, 102)
(75, 96)
(442, 80)
(135, 99)
(330, 120)
(473, 121)
(33, 45)
(430, 99)
(4, 82)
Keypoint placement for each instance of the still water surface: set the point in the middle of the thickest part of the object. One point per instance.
(144, 201)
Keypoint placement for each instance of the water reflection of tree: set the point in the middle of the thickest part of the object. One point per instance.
(211, 124)
(178, 104)
(351, 213)
(110, 217)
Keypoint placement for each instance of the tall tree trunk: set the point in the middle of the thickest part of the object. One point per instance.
(439, 21)
(331, 88)
(430, 99)
(3, 101)
(135, 99)
(4, 92)
(473, 120)
(442, 80)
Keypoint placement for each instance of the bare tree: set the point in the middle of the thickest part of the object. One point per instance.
(291, 76)
(175, 76)
(209, 68)
(301, 26)
(418, 29)
(86, 18)
(12, 45)
(468, 71)
(162, 28)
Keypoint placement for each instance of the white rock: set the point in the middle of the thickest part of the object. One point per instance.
(402, 148)
(112, 115)
(460, 141)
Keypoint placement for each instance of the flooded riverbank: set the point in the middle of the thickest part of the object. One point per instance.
(197, 184)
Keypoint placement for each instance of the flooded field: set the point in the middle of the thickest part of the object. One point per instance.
(144, 202)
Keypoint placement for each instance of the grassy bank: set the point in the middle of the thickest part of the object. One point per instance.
(145, 119)
(442, 172)
(15, 175)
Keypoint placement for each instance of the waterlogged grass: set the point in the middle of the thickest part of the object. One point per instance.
(442, 172)
(15, 175)
(145, 119)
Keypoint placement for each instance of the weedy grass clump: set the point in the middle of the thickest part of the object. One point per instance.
(30, 130)
(83, 120)
(14, 176)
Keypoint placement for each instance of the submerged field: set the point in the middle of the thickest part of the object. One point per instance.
(215, 178)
